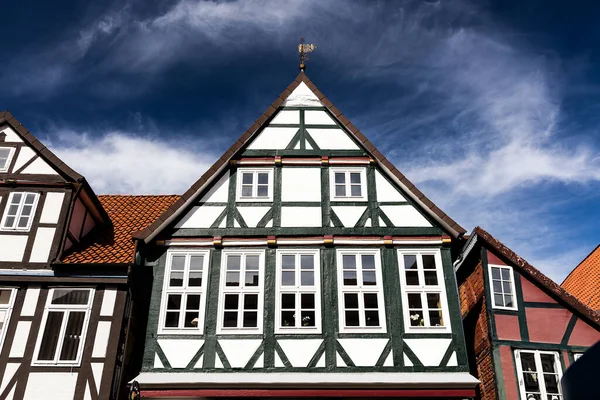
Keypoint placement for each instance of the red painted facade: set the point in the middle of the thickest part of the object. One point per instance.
(532, 293)
(583, 335)
(547, 325)
(507, 327)
(508, 373)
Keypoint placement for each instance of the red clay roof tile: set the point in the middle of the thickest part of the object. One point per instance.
(584, 281)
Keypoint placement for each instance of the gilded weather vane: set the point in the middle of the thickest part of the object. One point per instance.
(303, 49)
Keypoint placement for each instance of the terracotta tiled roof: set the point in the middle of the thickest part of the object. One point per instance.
(584, 281)
(128, 214)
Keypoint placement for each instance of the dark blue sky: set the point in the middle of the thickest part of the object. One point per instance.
(491, 107)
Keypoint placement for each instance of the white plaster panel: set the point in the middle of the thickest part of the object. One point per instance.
(429, 351)
(363, 352)
(11, 136)
(39, 166)
(51, 385)
(287, 117)
(108, 302)
(77, 216)
(157, 362)
(301, 184)
(307, 145)
(52, 206)
(302, 96)
(389, 361)
(349, 215)
(236, 224)
(407, 362)
(316, 117)
(219, 191)
(89, 225)
(252, 215)
(269, 224)
(20, 339)
(200, 217)
(332, 139)
(97, 369)
(405, 215)
(273, 138)
(12, 247)
(199, 362)
(321, 362)
(452, 362)
(30, 302)
(278, 362)
(239, 351)
(300, 351)
(25, 154)
(179, 352)
(101, 339)
(223, 223)
(339, 360)
(218, 362)
(9, 372)
(11, 394)
(260, 363)
(381, 223)
(385, 190)
(88, 393)
(301, 216)
(42, 245)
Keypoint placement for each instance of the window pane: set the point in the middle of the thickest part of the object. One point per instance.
(547, 363)
(174, 302)
(499, 300)
(5, 296)
(506, 287)
(369, 278)
(252, 262)
(29, 198)
(250, 319)
(350, 300)
(288, 301)
(23, 222)
(251, 302)
(176, 279)
(9, 221)
(435, 318)
(72, 336)
(233, 263)
(251, 278)
(196, 263)
(416, 318)
(412, 278)
(3, 314)
(350, 278)
(232, 279)
(191, 319)
(231, 301)
(508, 302)
(193, 302)
(68, 296)
(551, 381)
(307, 278)
(307, 301)
(307, 262)
(340, 190)
(505, 274)
(26, 211)
(177, 263)
(528, 362)
(288, 318)
(262, 191)
(349, 261)
(195, 279)
(368, 261)
(246, 191)
(340, 177)
(370, 300)
(308, 318)
(50, 337)
(531, 383)
(12, 210)
(288, 261)
(430, 278)
(355, 191)
(288, 278)
(433, 300)
(428, 261)
(414, 300)
(230, 319)
(247, 178)
(495, 273)
(497, 286)
(372, 318)
(410, 262)
(263, 178)
(354, 177)
(352, 318)
(172, 320)
(16, 199)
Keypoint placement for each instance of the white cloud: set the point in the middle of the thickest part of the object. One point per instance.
(120, 162)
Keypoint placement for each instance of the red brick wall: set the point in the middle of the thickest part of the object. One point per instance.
(473, 309)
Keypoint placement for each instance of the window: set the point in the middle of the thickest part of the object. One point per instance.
(503, 287)
(361, 295)
(348, 184)
(539, 374)
(65, 323)
(7, 300)
(6, 154)
(183, 294)
(19, 211)
(255, 185)
(241, 292)
(298, 296)
(424, 296)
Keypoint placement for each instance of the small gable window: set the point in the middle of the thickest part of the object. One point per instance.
(65, 322)
(255, 185)
(6, 154)
(502, 287)
(19, 211)
(348, 184)
(183, 293)
(7, 300)
(539, 374)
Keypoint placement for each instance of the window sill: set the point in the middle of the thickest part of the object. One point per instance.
(349, 199)
(181, 332)
(298, 331)
(53, 364)
(239, 331)
(359, 330)
(428, 329)
(254, 199)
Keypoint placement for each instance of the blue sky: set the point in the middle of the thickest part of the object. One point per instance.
(490, 107)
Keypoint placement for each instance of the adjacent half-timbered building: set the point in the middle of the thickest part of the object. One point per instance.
(61, 313)
(522, 328)
(303, 264)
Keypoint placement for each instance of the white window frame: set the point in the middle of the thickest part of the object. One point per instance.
(423, 290)
(254, 198)
(19, 211)
(184, 291)
(11, 153)
(360, 289)
(539, 371)
(66, 308)
(241, 291)
(8, 308)
(298, 290)
(363, 184)
(577, 356)
(515, 306)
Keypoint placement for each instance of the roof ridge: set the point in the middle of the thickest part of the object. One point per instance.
(581, 262)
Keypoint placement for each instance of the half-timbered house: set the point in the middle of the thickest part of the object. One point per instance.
(303, 264)
(61, 313)
(523, 329)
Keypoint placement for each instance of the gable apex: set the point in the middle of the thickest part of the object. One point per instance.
(302, 96)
